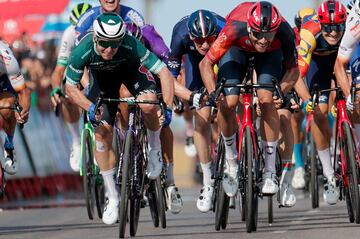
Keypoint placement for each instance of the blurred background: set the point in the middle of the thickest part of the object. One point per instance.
(33, 29)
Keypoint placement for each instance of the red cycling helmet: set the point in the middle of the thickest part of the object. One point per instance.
(331, 12)
(263, 17)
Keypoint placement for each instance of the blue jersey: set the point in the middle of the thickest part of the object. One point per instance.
(85, 22)
(181, 44)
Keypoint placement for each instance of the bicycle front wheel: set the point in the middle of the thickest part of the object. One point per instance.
(250, 191)
(160, 199)
(87, 173)
(125, 184)
(352, 172)
(314, 182)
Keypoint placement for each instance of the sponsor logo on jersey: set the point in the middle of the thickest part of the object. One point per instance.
(173, 64)
(135, 17)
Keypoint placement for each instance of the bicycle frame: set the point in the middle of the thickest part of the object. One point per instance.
(341, 118)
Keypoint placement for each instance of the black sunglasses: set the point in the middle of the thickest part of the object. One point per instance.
(333, 27)
(261, 35)
(106, 44)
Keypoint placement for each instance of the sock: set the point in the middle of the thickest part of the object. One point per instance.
(189, 128)
(9, 144)
(206, 168)
(298, 155)
(154, 139)
(286, 171)
(109, 183)
(170, 175)
(324, 156)
(75, 132)
(231, 149)
(270, 155)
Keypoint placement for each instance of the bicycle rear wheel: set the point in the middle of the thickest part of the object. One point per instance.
(87, 173)
(125, 184)
(250, 191)
(352, 172)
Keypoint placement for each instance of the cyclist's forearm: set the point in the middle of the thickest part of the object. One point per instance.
(77, 97)
(57, 76)
(341, 77)
(301, 89)
(289, 79)
(181, 91)
(167, 86)
(24, 99)
(207, 74)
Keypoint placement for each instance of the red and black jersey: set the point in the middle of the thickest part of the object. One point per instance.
(235, 33)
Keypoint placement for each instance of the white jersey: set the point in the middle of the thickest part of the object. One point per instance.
(9, 66)
(352, 34)
(67, 44)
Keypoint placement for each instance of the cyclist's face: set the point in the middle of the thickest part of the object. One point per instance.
(333, 37)
(107, 53)
(109, 5)
(261, 43)
(203, 45)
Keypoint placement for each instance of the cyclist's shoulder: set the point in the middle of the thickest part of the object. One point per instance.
(239, 13)
(311, 27)
(131, 15)
(84, 48)
(86, 20)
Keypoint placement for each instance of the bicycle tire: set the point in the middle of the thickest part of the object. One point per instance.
(314, 182)
(137, 194)
(270, 209)
(99, 196)
(348, 205)
(220, 195)
(225, 216)
(152, 204)
(125, 177)
(250, 191)
(160, 199)
(87, 173)
(352, 172)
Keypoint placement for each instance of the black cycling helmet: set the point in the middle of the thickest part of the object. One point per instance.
(202, 23)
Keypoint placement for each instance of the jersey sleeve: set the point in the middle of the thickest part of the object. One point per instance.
(66, 46)
(305, 49)
(288, 45)
(351, 36)
(223, 42)
(176, 52)
(155, 42)
(12, 68)
(144, 56)
(77, 62)
(134, 16)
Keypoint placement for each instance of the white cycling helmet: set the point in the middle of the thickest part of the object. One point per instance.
(109, 26)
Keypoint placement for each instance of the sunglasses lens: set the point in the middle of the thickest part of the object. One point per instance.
(106, 44)
(335, 28)
(266, 35)
(200, 40)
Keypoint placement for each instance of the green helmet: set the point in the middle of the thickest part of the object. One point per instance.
(109, 26)
(77, 11)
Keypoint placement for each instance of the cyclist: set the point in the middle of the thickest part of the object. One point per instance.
(108, 53)
(128, 14)
(155, 43)
(13, 88)
(349, 53)
(298, 180)
(70, 112)
(319, 44)
(252, 30)
(193, 35)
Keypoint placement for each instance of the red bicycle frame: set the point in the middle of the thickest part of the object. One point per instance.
(339, 133)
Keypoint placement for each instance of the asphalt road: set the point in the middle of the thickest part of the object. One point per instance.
(67, 219)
